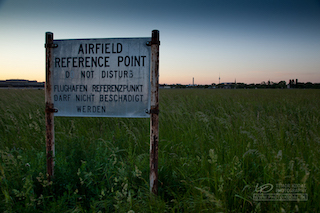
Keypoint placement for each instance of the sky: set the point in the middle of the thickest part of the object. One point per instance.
(247, 41)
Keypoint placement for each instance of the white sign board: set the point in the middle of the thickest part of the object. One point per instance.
(101, 77)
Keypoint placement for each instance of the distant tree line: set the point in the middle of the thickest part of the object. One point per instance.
(293, 84)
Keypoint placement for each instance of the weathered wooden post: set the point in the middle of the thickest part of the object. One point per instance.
(49, 107)
(154, 112)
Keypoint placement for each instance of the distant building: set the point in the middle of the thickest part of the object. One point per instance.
(227, 85)
(164, 86)
(17, 83)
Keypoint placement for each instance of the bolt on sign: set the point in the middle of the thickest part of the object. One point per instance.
(101, 77)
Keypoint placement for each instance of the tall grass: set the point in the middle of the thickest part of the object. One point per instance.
(216, 147)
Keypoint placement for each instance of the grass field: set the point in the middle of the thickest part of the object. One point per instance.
(217, 149)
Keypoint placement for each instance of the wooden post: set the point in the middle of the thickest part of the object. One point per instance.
(49, 107)
(154, 112)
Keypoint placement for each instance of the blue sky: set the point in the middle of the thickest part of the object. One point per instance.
(248, 41)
